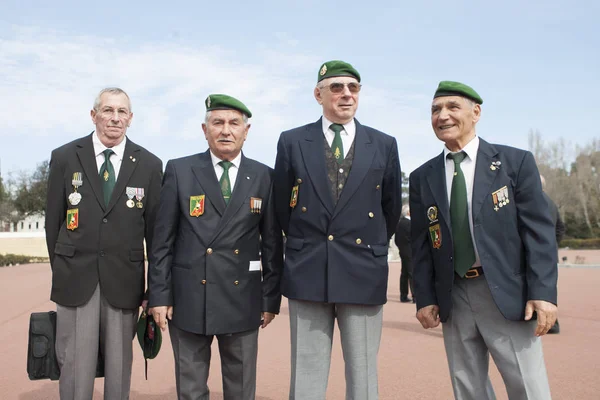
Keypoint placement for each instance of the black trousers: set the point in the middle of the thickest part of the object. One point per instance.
(406, 276)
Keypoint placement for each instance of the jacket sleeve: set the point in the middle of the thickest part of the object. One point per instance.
(391, 196)
(165, 230)
(271, 257)
(423, 269)
(537, 233)
(152, 204)
(283, 183)
(56, 207)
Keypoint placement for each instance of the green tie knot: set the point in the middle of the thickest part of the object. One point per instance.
(226, 165)
(336, 128)
(457, 157)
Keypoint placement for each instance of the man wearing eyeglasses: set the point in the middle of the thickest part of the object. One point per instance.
(338, 199)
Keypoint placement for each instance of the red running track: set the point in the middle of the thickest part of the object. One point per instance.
(412, 363)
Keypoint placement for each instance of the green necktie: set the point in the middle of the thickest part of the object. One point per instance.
(107, 175)
(337, 146)
(464, 253)
(224, 181)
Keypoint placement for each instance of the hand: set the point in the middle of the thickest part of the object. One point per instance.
(161, 314)
(429, 316)
(266, 317)
(546, 315)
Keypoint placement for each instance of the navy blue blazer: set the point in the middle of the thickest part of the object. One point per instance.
(207, 266)
(515, 241)
(337, 253)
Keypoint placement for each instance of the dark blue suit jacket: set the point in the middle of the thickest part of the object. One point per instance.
(516, 243)
(337, 253)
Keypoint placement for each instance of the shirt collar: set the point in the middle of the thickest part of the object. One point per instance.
(348, 127)
(99, 147)
(236, 161)
(471, 149)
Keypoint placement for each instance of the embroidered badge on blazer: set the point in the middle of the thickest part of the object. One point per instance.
(432, 213)
(500, 198)
(294, 197)
(436, 236)
(255, 205)
(73, 219)
(197, 205)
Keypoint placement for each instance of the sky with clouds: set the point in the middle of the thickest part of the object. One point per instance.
(535, 63)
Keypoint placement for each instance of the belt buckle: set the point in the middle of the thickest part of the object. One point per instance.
(472, 273)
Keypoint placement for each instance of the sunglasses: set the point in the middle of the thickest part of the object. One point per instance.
(338, 87)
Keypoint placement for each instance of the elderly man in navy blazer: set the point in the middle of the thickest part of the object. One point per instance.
(484, 253)
(338, 199)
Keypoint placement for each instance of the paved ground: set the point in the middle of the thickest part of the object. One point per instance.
(412, 362)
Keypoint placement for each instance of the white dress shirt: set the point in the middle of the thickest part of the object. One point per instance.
(116, 158)
(468, 169)
(233, 170)
(347, 134)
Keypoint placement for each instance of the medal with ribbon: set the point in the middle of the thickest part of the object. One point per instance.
(77, 181)
(130, 192)
(139, 195)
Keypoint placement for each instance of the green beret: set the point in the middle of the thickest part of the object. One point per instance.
(149, 335)
(449, 88)
(337, 68)
(224, 102)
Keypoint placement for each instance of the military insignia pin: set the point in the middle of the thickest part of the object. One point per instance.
(436, 236)
(294, 197)
(196, 205)
(323, 70)
(432, 214)
(500, 198)
(130, 192)
(106, 175)
(73, 219)
(75, 197)
(255, 205)
(208, 102)
(495, 165)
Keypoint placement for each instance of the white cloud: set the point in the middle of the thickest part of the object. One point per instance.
(50, 79)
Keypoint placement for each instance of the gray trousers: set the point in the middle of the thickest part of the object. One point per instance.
(476, 329)
(80, 333)
(311, 326)
(192, 352)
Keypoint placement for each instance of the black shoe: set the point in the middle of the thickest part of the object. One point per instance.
(555, 328)
(405, 299)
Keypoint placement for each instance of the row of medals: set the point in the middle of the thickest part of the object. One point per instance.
(75, 197)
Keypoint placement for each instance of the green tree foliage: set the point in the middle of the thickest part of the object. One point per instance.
(30, 194)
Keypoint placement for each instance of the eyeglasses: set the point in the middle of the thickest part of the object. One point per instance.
(338, 87)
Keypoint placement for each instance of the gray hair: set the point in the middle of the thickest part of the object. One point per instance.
(111, 90)
(405, 210)
(244, 117)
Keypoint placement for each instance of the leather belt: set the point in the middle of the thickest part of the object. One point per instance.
(474, 273)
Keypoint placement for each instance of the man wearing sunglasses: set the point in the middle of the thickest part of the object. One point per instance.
(338, 200)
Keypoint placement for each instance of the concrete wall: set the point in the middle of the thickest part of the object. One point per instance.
(24, 243)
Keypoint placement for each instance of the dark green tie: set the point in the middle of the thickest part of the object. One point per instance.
(107, 176)
(464, 253)
(224, 181)
(337, 147)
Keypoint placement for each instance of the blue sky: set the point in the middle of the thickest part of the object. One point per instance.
(535, 63)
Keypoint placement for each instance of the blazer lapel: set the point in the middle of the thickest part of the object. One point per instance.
(87, 158)
(206, 177)
(363, 158)
(484, 176)
(436, 177)
(128, 165)
(243, 182)
(314, 162)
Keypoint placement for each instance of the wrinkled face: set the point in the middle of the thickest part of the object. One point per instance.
(112, 118)
(225, 131)
(339, 107)
(453, 119)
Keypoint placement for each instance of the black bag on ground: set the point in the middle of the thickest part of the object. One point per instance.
(41, 355)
